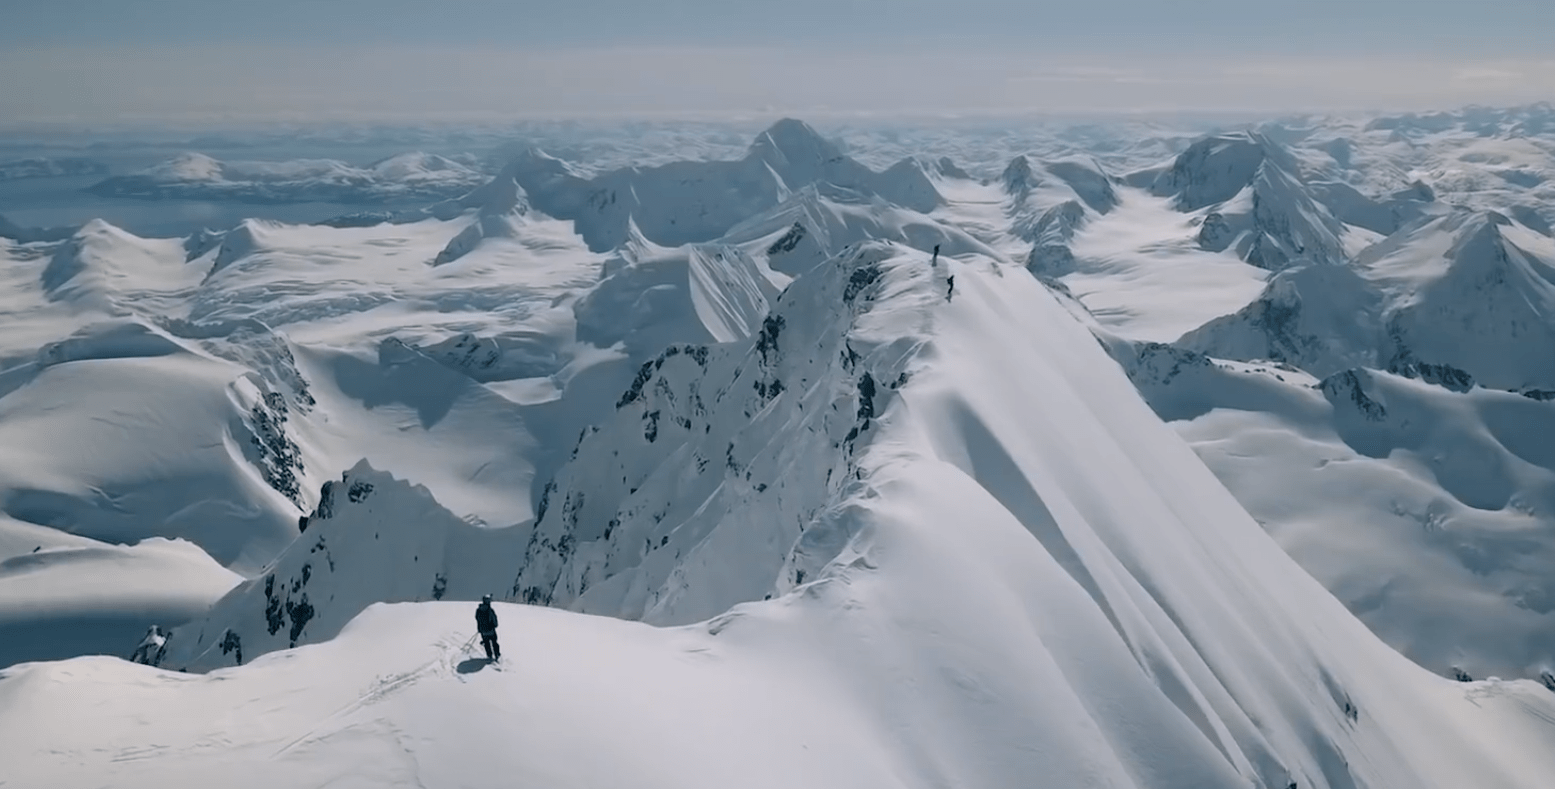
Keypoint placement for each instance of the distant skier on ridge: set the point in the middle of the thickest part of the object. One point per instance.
(486, 625)
(935, 261)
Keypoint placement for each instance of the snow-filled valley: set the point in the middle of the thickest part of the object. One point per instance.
(1128, 456)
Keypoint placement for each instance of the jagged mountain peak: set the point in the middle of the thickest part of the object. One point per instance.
(1320, 318)
(1490, 250)
(500, 206)
(501, 195)
(793, 142)
(198, 244)
(1435, 245)
(1255, 202)
(1417, 191)
(1051, 234)
(1474, 290)
(534, 163)
(1088, 180)
(948, 168)
(1215, 168)
(1290, 226)
(244, 239)
(683, 202)
(101, 261)
(909, 183)
(1018, 177)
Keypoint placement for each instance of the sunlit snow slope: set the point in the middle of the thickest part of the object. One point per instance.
(1029, 578)
(806, 468)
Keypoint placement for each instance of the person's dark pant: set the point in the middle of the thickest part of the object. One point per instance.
(489, 641)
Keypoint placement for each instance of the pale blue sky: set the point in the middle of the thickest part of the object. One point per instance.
(124, 59)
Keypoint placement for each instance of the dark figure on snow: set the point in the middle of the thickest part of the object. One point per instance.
(152, 648)
(950, 286)
(486, 625)
(935, 261)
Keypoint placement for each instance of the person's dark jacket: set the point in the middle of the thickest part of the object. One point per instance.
(485, 618)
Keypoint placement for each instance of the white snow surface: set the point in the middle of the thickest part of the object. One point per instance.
(1032, 577)
(62, 595)
(789, 497)
(1419, 506)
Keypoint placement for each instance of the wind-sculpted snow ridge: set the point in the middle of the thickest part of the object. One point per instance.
(1016, 569)
(250, 236)
(195, 176)
(686, 202)
(105, 269)
(499, 206)
(655, 296)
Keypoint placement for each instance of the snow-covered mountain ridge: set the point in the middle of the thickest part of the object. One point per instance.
(1028, 572)
(830, 450)
(195, 176)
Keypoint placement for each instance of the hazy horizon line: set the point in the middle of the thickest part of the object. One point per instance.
(735, 117)
(206, 85)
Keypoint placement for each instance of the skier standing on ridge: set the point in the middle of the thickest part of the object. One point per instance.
(486, 625)
(935, 261)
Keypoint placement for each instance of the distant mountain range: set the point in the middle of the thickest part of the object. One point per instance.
(194, 176)
(1224, 461)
